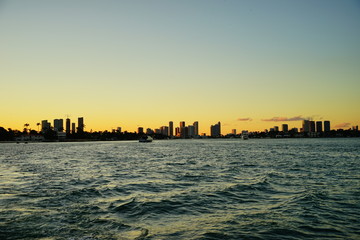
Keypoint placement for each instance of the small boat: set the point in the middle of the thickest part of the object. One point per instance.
(146, 138)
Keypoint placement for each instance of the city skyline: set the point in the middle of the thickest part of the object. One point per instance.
(183, 130)
(248, 64)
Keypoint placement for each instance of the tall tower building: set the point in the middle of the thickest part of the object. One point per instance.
(68, 124)
(81, 124)
(319, 126)
(191, 131)
(312, 126)
(45, 125)
(285, 128)
(196, 128)
(73, 127)
(140, 130)
(215, 130)
(306, 126)
(171, 129)
(327, 126)
(58, 125)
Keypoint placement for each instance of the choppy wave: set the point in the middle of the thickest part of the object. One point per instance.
(195, 189)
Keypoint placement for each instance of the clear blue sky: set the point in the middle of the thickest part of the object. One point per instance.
(144, 63)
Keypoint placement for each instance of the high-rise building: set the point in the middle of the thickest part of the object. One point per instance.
(191, 131)
(140, 130)
(177, 131)
(285, 128)
(196, 128)
(215, 130)
(164, 130)
(312, 126)
(276, 128)
(233, 131)
(306, 126)
(171, 129)
(327, 126)
(68, 124)
(45, 125)
(58, 125)
(73, 127)
(81, 124)
(319, 126)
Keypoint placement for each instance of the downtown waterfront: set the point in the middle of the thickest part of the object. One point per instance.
(305, 188)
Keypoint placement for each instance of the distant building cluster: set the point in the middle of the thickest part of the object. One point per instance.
(59, 126)
(183, 131)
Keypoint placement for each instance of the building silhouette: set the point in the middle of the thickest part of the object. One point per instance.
(285, 128)
(215, 130)
(68, 124)
(58, 125)
(80, 125)
(319, 126)
(171, 129)
(326, 126)
(306, 126)
(196, 128)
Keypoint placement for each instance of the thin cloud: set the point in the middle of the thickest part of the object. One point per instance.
(284, 119)
(343, 125)
(244, 119)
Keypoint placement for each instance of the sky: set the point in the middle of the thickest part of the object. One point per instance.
(250, 64)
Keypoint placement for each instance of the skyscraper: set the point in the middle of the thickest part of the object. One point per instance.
(81, 124)
(327, 126)
(196, 128)
(191, 131)
(58, 125)
(140, 130)
(312, 126)
(306, 126)
(68, 124)
(285, 128)
(215, 130)
(73, 127)
(45, 125)
(182, 129)
(319, 126)
(171, 129)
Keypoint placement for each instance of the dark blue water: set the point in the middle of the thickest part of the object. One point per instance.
(181, 189)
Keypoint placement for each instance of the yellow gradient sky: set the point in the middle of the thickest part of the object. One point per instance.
(144, 63)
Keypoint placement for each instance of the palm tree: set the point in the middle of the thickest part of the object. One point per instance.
(26, 125)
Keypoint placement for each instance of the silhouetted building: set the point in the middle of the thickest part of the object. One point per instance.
(58, 125)
(312, 126)
(285, 128)
(45, 125)
(306, 126)
(276, 128)
(327, 126)
(171, 129)
(319, 126)
(196, 130)
(177, 132)
(233, 131)
(81, 124)
(191, 131)
(164, 130)
(68, 124)
(73, 127)
(140, 130)
(215, 130)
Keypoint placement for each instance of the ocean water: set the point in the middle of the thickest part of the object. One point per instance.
(181, 189)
